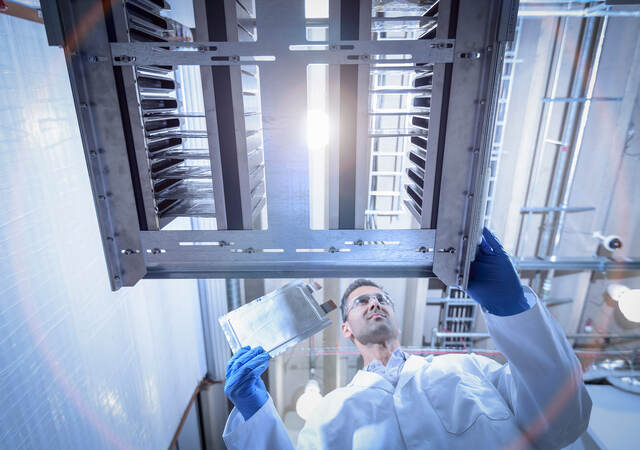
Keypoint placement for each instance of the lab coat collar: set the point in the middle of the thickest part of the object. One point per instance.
(365, 379)
(412, 366)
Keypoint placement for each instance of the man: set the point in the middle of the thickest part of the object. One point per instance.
(466, 401)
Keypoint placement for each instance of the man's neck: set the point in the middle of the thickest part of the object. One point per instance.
(379, 351)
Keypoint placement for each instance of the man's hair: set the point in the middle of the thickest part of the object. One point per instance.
(352, 287)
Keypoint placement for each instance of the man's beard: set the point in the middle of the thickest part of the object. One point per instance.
(377, 333)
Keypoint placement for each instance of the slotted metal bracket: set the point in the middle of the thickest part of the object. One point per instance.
(465, 54)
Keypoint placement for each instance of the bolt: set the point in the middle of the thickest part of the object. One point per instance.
(489, 48)
(223, 243)
(101, 197)
(116, 277)
(465, 238)
(156, 251)
(469, 55)
(93, 152)
(109, 238)
(250, 250)
(359, 242)
(130, 251)
(333, 47)
(84, 105)
(235, 58)
(470, 196)
(364, 57)
(422, 249)
(332, 250)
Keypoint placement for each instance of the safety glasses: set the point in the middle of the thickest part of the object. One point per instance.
(362, 301)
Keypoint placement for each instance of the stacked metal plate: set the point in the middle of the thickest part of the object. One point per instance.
(250, 80)
(417, 152)
(400, 102)
(180, 174)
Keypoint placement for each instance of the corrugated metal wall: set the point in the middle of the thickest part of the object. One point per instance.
(80, 366)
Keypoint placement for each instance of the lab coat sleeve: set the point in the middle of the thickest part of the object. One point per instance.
(542, 380)
(263, 430)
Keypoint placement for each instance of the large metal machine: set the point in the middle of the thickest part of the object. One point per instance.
(246, 164)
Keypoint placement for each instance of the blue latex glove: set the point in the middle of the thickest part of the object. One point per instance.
(244, 387)
(493, 281)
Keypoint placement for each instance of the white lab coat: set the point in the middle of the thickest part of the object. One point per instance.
(454, 401)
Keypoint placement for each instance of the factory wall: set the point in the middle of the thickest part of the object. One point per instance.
(80, 366)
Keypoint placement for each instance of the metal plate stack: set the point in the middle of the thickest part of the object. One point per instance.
(417, 153)
(180, 187)
(399, 106)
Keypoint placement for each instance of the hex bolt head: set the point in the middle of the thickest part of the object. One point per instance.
(332, 250)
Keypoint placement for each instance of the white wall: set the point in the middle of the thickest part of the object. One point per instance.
(80, 366)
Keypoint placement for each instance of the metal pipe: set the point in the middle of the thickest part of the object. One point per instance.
(579, 138)
(557, 180)
(470, 335)
(539, 154)
(432, 350)
(601, 264)
(596, 11)
(234, 293)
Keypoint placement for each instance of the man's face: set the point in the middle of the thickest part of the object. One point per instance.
(371, 323)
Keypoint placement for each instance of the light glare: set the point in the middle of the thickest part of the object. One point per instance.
(317, 129)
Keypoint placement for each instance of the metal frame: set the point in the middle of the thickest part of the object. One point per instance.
(95, 95)
(470, 55)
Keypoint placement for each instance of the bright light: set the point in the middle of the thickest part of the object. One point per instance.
(630, 305)
(628, 300)
(309, 400)
(317, 129)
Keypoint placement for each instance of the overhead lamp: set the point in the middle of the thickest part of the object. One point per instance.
(628, 300)
(309, 399)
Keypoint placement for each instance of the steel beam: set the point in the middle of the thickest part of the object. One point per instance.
(222, 86)
(575, 264)
(267, 53)
(267, 254)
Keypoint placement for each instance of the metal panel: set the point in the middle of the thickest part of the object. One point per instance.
(223, 92)
(98, 110)
(466, 146)
(284, 96)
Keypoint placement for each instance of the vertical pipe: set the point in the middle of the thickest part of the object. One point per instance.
(539, 154)
(234, 293)
(575, 155)
(557, 179)
(579, 137)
